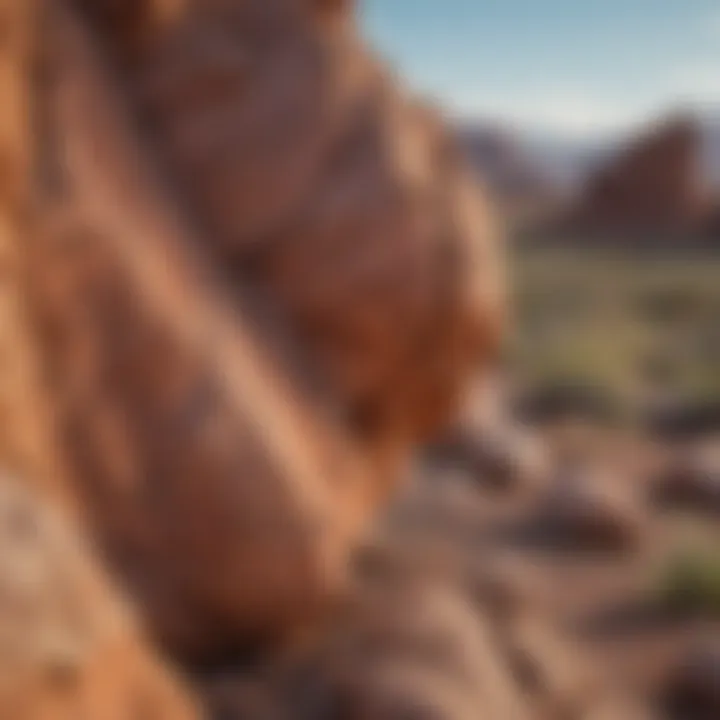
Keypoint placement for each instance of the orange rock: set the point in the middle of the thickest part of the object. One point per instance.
(68, 647)
(239, 359)
(341, 205)
(206, 474)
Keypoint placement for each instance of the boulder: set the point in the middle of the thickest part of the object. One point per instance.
(436, 532)
(413, 647)
(416, 650)
(230, 397)
(418, 637)
(683, 420)
(587, 511)
(192, 458)
(503, 457)
(69, 646)
(691, 481)
(340, 205)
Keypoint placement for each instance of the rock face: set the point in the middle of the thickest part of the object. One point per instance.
(416, 639)
(70, 648)
(258, 274)
(433, 630)
(340, 205)
(653, 186)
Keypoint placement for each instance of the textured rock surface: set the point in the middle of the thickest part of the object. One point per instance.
(68, 647)
(340, 203)
(400, 649)
(257, 274)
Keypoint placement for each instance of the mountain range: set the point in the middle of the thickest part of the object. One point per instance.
(525, 160)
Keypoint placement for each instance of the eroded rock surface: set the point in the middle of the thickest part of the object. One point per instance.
(69, 646)
(254, 273)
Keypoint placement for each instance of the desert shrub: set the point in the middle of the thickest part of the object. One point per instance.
(690, 582)
(670, 304)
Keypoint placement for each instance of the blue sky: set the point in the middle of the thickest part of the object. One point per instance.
(575, 66)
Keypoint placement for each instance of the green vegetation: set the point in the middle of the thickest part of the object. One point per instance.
(690, 582)
(624, 322)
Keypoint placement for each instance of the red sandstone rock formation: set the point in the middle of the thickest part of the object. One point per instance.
(70, 647)
(257, 274)
(654, 185)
